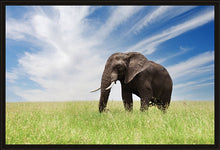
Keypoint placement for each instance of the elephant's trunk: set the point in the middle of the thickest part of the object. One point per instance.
(107, 78)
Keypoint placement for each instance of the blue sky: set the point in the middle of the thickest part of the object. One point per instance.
(58, 53)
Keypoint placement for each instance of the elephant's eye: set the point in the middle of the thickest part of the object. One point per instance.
(119, 67)
(117, 58)
(125, 59)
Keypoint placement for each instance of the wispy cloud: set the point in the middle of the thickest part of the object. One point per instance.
(159, 15)
(11, 76)
(119, 15)
(150, 44)
(17, 30)
(182, 51)
(192, 65)
(197, 83)
(194, 89)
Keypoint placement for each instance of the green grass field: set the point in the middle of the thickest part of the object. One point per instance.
(80, 123)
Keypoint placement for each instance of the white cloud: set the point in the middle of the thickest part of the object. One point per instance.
(182, 51)
(17, 30)
(150, 44)
(193, 65)
(159, 15)
(119, 15)
(194, 90)
(68, 64)
(203, 84)
(197, 83)
(11, 76)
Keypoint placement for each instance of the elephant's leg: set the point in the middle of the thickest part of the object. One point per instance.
(145, 96)
(103, 100)
(165, 102)
(127, 99)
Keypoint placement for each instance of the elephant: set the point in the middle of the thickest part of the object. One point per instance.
(138, 75)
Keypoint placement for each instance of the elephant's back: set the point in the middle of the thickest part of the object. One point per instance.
(159, 70)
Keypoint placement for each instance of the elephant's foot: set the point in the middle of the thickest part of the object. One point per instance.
(144, 104)
(128, 107)
(163, 108)
(144, 107)
(106, 110)
(103, 110)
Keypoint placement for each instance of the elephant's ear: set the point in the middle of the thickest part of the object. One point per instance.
(135, 65)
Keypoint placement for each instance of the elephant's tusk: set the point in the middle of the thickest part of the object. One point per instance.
(95, 90)
(110, 86)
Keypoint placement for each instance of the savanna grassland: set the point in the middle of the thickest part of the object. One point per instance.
(186, 122)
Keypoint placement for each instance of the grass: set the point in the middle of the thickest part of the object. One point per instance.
(80, 123)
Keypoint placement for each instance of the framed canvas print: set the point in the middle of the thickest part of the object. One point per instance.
(98, 74)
